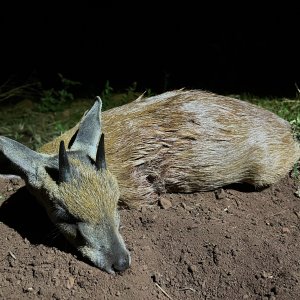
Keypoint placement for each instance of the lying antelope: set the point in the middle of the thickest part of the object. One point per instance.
(179, 141)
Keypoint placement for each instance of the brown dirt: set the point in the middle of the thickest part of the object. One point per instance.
(225, 245)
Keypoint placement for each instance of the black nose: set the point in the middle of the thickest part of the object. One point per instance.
(122, 263)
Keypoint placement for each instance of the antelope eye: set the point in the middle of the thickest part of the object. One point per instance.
(63, 216)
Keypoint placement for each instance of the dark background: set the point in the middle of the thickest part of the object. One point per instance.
(240, 50)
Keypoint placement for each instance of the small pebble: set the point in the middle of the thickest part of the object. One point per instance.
(192, 268)
(220, 194)
(285, 230)
(70, 282)
(165, 203)
(266, 275)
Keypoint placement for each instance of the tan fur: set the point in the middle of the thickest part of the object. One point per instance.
(92, 199)
(188, 141)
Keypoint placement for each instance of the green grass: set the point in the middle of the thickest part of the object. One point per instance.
(288, 109)
(28, 124)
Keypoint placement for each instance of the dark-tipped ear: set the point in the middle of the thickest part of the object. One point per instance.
(100, 157)
(18, 159)
(63, 164)
(89, 131)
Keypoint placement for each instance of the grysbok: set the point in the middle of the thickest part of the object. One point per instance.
(179, 141)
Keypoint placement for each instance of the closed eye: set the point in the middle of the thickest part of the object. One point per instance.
(63, 216)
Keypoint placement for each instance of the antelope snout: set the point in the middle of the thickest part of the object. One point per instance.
(121, 263)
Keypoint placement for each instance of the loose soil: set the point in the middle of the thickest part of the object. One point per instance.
(229, 244)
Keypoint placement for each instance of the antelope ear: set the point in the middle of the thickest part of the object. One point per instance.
(100, 157)
(64, 165)
(17, 159)
(89, 131)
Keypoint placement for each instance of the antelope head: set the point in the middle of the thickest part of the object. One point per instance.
(77, 190)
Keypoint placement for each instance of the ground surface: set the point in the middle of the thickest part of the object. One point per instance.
(227, 245)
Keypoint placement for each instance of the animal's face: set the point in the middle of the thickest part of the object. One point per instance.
(86, 213)
(103, 245)
(78, 192)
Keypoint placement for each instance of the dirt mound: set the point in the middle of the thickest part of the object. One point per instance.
(228, 244)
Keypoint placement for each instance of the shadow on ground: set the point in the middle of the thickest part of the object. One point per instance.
(25, 215)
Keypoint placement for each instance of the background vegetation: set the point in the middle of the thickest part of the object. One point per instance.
(39, 115)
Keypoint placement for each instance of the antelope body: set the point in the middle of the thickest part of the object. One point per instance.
(179, 141)
(189, 141)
